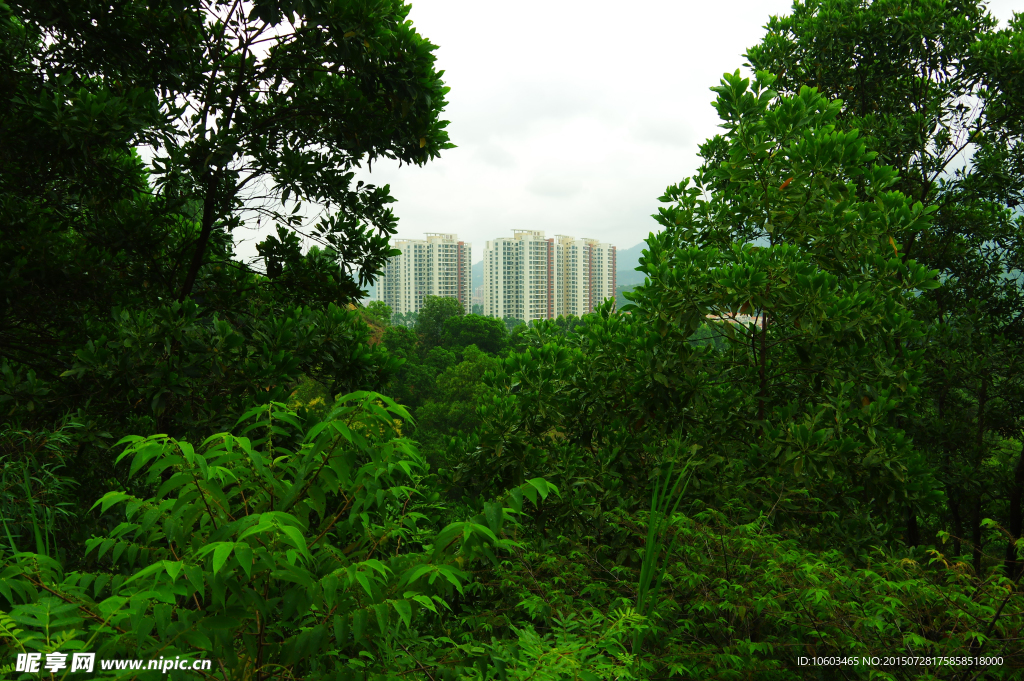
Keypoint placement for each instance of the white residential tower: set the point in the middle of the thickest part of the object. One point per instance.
(530, 277)
(439, 265)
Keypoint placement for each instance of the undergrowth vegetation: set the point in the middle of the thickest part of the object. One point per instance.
(799, 440)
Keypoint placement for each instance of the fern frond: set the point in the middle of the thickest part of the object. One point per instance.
(8, 629)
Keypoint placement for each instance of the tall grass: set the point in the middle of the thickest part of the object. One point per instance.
(34, 497)
(669, 489)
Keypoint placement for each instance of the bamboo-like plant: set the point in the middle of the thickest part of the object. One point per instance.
(34, 494)
(669, 488)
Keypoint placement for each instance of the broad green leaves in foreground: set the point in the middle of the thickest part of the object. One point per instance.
(283, 549)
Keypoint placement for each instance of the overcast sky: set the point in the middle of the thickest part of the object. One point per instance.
(571, 117)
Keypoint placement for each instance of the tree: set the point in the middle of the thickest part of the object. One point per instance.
(790, 436)
(413, 382)
(800, 399)
(826, 284)
(264, 104)
(486, 333)
(237, 105)
(940, 100)
(380, 312)
(230, 128)
(285, 130)
(313, 278)
(711, 334)
(222, 369)
(81, 233)
(433, 315)
(460, 390)
(936, 100)
(512, 322)
(406, 319)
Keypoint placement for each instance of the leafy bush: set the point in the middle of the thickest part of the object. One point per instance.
(288, 549)
(739, 600)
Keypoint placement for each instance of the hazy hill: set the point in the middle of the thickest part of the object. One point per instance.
(626, 262)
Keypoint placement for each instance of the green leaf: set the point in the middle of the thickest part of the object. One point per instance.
(144, 572)
(173, 569)
(262, 526)
(341, 631)
(221, 554)
(109, 499)
(493, 514)
(358, 625)
(364, 581)
(194, 574)
(404, 610)
(243, 554)
(298, 541)
(425, 602)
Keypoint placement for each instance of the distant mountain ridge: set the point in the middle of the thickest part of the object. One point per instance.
(626, 263)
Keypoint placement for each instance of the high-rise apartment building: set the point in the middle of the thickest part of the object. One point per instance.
(601, 263)
(530, 277)
(439, 265)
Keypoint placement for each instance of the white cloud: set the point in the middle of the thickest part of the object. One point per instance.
(571, 117)
(554, 186)
(495, 155)
(663, 131)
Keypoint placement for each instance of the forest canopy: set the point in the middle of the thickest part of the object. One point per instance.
(211, 459)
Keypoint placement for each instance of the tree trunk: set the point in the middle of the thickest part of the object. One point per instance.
(1012, 565)
(976, 533)
(209, 217)
(763, 372)
(763, 392)
(958, 525)
(913, 531)
(978, 457)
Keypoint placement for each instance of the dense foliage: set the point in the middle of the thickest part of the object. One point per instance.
(123, 308)
(934, 84)
(799, 437)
